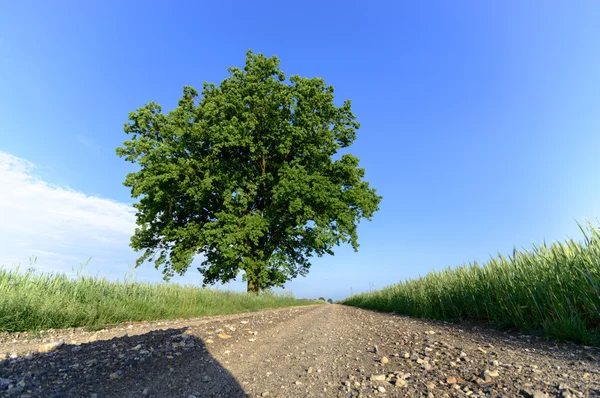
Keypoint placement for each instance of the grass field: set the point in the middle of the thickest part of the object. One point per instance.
(552, 288)
(31, 301)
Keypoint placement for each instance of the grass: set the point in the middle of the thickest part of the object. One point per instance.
(32, 302)
(555, 289)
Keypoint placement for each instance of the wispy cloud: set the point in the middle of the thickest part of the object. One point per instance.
(63, 228)
(60, 226)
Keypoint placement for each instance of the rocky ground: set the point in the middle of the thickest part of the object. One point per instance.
(323, 350)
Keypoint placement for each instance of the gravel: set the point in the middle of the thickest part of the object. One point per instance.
(323, 350)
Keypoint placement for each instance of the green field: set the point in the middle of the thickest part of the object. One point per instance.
(32, 301)
(555, 289)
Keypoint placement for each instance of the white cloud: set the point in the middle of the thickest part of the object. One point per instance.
(63, 228)
(60, 226)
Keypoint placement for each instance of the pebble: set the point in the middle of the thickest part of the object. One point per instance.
(378, 378)
(540, 394)
(490, 373)
(384, 360)
(5, 382)
(115, 375)
(51, 346)
(145, 392)
(400, 383)
(381, 389)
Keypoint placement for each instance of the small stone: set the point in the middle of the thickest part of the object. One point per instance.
(224, 336)
(93, 395)
(482, 350)
(298, 382)
(406, 355)
(490, 373)
(191, 396)
(400, 383)
(431, 385)
(206, 378)
(451, 380)
(540, 394)
(309, 370)
(378, 378)
(115, 375)
(265, 394)
(77, 348)
(384, 360)
(4, 382)
(209, 341)
(243, 322)
(137, 347)
(13, 355)
(51, 346)
(145, 391)
(381, 389)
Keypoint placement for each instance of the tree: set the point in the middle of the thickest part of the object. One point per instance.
(244, 175)
(330, 301)
(321, 298)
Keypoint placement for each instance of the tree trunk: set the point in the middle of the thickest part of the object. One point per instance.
(253, 287)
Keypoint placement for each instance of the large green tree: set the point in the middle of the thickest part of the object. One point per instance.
(246, 176)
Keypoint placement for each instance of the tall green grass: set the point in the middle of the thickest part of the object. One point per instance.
(554, 288)
(31, 301)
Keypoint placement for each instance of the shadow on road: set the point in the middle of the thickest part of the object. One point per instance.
(160, 363)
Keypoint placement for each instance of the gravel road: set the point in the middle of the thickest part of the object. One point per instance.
(321, 350)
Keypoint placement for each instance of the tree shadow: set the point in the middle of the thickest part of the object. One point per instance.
(160, 363)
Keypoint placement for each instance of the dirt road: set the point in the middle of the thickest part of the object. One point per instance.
(325, 350)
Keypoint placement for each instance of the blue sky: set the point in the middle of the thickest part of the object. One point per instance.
(479, 121)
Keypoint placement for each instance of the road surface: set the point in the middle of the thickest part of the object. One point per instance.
(316, 351)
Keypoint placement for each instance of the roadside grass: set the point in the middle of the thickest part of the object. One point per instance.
(555, 289)
(37, 301)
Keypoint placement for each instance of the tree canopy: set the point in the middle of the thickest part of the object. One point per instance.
(245, 176)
